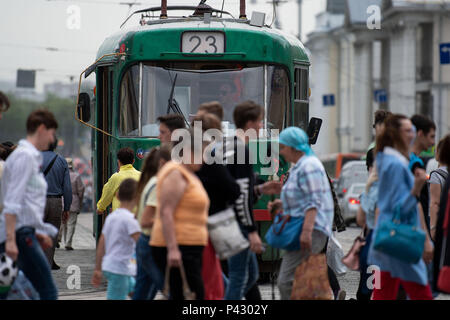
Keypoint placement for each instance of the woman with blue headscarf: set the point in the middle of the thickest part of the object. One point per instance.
(307, 194)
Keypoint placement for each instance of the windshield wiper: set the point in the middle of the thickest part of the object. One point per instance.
(173, 104)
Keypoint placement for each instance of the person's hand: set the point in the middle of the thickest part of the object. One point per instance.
(44, 240)
(275, 206)
(255, 242)
(306, 240)
(96, 278)
(271, 187)
(11, 249)
(372, 178)
(99, 212)
(174, 257)
(65, 217)
(433, 234)
(428, 252)
(420, 177)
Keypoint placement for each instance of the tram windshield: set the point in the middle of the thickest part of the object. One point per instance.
(191, 84)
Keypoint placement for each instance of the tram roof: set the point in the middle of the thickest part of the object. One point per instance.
(112, 43)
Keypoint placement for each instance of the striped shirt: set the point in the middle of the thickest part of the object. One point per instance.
(306, 188)
(24, 190)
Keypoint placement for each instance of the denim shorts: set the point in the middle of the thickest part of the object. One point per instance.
(119, 285)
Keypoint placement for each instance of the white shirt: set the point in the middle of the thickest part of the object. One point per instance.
(119, 245)
(24, 190)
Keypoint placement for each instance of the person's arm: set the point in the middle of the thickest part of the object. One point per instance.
(428, 249)
(108, 192)
(97, 277)
(172, 190)
(148, 217)
(135, 236)
(308, 226)
(361, 217)
(435, 200)
(15, 180)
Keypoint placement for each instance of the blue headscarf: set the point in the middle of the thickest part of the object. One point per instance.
(296, 138)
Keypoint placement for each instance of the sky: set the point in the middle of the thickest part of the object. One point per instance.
(45, 35)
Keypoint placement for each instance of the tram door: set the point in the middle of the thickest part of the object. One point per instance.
(102, 161)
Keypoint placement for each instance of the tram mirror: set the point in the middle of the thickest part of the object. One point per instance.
(84, 107)
(313, 129)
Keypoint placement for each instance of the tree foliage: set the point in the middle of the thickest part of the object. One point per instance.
(70, 131)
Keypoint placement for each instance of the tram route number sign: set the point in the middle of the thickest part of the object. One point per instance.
(203, 42)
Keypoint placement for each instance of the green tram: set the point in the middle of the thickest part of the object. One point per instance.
(141, 71)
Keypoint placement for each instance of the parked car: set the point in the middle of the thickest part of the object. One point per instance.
(350, 202)
(353, 172)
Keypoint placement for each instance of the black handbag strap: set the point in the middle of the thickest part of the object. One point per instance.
(50, 165)
(283, 219)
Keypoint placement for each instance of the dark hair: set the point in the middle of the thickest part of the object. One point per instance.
(370, 158)
(391, 132)
(6, 148)
(125, 156)
(38, 117)
(444, 150)
(213, 107)
(209, 121)
(4, 102)
(127, 189)
(173, 121)
(380, 116)
(151, 165)
(422, 123)
(245, 112)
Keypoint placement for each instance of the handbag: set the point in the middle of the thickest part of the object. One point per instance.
(225, 234)
(284, 233)
(311, 279)
(187, 293)
(334, 255)
(351, 259)
(400, 240)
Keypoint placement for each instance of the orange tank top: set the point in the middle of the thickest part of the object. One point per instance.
(191, 214)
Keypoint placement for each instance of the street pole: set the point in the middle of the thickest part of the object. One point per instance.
(300, 19)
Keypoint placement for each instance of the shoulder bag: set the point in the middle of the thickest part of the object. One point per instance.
(402, 241)
(284, 233)
(225, 234)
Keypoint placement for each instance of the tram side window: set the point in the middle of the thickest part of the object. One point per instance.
(301, 102)
(129, 106)
(278, 97)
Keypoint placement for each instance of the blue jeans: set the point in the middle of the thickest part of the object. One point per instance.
(34, 264)
(242, 274)
(148, 279)
(119, 285)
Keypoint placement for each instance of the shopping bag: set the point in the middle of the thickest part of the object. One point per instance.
(335, 254)
(311, 280)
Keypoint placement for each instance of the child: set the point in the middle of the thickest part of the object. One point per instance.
(117, 245)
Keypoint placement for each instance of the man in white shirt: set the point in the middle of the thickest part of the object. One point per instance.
(23, 234)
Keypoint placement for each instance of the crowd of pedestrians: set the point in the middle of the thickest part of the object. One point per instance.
(161, 215)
